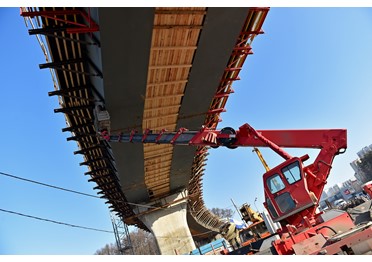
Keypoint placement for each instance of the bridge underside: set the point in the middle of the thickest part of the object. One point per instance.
(149, 68)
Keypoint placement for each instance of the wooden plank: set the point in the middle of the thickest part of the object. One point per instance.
(174, 43)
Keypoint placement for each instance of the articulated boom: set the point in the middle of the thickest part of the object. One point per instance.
(292, 191)
(334, 142)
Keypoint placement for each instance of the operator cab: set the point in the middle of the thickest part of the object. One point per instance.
(286, 191)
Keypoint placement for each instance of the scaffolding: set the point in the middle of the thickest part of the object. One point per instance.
(122, 237)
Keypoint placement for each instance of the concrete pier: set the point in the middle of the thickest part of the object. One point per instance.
(169, 224)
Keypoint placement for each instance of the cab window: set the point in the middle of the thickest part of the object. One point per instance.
(271, 208)
(285, 202)
(292, 172)
(275, 183)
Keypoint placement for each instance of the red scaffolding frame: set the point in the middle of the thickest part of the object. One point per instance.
(63, 15)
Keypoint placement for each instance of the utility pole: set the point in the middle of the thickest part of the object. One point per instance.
(255, 205)
(236, 209)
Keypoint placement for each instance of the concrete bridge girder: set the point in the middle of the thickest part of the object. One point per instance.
(125, 62)
(169, 224)
(129, 45)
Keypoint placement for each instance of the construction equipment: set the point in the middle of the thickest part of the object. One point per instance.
(256, 230)
(258, 152)
(249, 215)
(230, 232)
(292, 191)
(367, 189)
(241, 237)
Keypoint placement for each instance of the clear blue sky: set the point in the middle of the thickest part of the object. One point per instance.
(311, 69)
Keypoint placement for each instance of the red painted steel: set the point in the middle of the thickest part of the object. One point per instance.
(340, 235)
(79, 28)
(240, 52)
(367, 188)
(297, 198)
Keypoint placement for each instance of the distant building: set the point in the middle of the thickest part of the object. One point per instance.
(331, 191)
(364, 151)
(349, 188)
(359, 174)
(346, 190)
(324, 195)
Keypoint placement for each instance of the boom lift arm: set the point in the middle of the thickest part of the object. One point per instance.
(292, 191)
(258, 152)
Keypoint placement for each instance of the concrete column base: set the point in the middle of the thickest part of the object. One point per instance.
(169, 225)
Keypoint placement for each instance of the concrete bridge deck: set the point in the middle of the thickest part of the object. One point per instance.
(149, 68)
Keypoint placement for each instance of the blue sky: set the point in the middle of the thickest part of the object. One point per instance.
(311, 69)
(34, 147)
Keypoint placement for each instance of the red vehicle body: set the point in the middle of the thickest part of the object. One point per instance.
(292, 190)
(367, 188)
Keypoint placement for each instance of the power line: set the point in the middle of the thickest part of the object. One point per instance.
(53, 221)
(76, 192)
(82, 227)
(47, 185)
(69, 190)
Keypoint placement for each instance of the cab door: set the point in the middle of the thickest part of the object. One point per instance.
(286, 191)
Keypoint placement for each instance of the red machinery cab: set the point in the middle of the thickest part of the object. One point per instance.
(286, 191)
(367, 188)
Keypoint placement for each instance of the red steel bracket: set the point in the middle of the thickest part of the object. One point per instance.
(78, 28)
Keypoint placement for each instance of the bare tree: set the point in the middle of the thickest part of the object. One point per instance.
(222, 212)
(108, 249)
(143, 243)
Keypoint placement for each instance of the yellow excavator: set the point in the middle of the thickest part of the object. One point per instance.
(238, 238)
(257, 228)
(249, 215)
(230, 232)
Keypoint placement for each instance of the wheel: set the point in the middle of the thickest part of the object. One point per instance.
(228, 141)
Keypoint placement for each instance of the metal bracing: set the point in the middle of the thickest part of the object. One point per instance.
(70, 25)
(64, 34)
(240, 52)
(70, 31)
(242, 49)
(122, 236)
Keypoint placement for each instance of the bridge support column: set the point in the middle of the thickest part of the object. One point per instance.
(169, 225)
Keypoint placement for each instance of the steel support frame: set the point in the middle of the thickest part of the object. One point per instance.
(74, 27)
(67, 24)
(241, 50)
(231, 73)
(122, 236)
(61, 66)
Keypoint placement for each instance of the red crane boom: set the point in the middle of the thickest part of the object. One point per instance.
(299, 193)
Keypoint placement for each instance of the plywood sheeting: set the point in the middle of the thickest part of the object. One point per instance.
(174, 42)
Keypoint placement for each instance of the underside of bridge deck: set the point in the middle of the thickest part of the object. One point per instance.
(149, 68)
